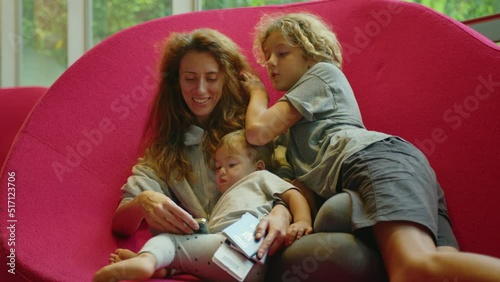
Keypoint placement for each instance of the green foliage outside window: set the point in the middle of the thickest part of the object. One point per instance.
(221, 4)
(111, 16)
(42, 28)
(45, 21)
(45, 28)
(462, 9)
(458, 9)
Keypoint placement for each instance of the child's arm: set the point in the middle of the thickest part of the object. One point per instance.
(302, 222)
(262, 125)
(308, 194)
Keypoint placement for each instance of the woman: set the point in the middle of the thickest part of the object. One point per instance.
(199, 100)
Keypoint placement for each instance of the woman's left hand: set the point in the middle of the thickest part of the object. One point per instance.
(274, 227)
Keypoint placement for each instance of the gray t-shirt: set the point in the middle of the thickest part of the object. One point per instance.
(253, 193)
(331, 129)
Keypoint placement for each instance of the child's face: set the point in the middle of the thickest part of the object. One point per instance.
(231, 166)
(285, 64)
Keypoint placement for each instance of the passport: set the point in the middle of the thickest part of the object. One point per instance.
(238, 254)
(241, 234)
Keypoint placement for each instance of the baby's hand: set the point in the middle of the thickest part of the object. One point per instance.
(251, 83)
(296, 230)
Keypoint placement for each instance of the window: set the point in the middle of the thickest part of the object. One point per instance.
(41, 46)
(221, 4)
(465, 10)
(462, 10)
(43, 41)
(111, 16)
(36, 48)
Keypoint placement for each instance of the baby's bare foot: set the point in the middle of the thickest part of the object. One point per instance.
(138, 268)
(124, 254)
(121, 254)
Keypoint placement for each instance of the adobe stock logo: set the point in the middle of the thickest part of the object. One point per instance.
(455, 115)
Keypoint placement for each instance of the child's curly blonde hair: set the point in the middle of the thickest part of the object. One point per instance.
(304, 30)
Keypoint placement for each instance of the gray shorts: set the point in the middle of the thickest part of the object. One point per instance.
(391, 180)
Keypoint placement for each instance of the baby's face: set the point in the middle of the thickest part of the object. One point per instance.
(231, 166)
(285, 64)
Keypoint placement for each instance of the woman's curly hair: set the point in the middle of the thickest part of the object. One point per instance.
(170, 117)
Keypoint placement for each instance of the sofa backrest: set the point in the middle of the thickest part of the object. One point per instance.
(16, 104)
(415, 73)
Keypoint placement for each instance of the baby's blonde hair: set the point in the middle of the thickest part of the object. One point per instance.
(236, 142)
(304, 30)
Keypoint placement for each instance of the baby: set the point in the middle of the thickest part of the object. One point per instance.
(246, 187)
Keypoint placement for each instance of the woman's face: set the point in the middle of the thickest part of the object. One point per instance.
(201, 82)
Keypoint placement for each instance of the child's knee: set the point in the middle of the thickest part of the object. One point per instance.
(421, 267)
(334, 215)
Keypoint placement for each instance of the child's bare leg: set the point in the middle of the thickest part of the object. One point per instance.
(410, 254)
(446, 249)
(124, 254)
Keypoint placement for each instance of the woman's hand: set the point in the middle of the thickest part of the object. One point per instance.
(276, 224)
(297, 230)
(252, 84)
(163, 214)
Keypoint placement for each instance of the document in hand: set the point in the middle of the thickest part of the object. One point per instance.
(241, 234)
(239, 253)
(232, 261)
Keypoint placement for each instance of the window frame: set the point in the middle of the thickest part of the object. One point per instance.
(79, 34)
(489, 26)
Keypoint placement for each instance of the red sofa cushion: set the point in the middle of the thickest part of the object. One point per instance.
(16, 104)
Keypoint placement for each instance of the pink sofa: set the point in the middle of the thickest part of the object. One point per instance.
(416, 73)
(16, 104)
